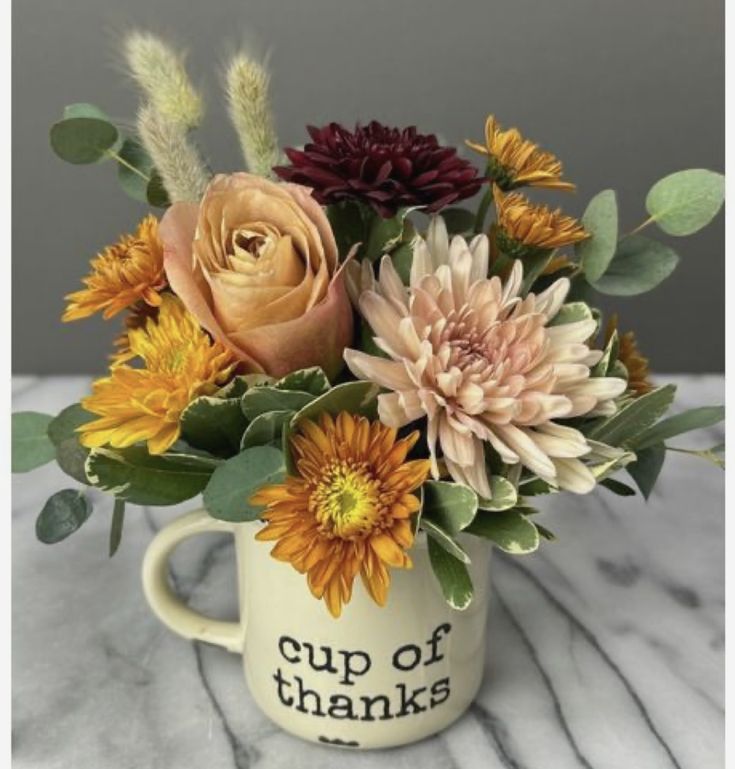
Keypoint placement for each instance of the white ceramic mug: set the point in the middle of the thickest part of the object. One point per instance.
(374, 678)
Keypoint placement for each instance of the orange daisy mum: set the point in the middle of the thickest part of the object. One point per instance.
(518, 162)
(128, 272)
(524, 226)
(348, 511)
(639, 382)
(179, 363)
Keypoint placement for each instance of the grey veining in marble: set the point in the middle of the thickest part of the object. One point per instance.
(606, 648)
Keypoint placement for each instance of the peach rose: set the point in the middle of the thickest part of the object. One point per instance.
(256, 263)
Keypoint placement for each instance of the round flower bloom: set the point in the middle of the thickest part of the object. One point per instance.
(525, 228)
(128, 272)
(517, 162)
(180, 363)
(256, 263)
(482, 365)
(348, 511)
(636, 364)
(387, 168)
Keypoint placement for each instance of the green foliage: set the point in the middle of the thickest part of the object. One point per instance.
(261, 400)
(355, 397)
(504, 494)
(349, 224)
(510, 530)
(116, 526)
(384, 235)
(215, 425)
(84, 139)
(600, 219)
(693, 419)
(626, 425)
(444, 539)
(617, 487)
(233, 483)
(639, 265)
(135, 184)
(604, 366)
(452, 575)
(459, 221)
(572, 313)
(451, 506)
(647, 467)
(62, 515)
(135, 476)
(31, 446)
(309, 380)
(266, 429)
(71, 456)
(686, 201)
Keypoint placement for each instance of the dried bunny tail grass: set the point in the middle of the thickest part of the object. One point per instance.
(159, 71)
(247, 83)
(184, 175)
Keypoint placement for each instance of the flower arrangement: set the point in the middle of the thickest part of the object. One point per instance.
(339, 343)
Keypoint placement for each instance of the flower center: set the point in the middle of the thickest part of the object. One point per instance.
(346, 501)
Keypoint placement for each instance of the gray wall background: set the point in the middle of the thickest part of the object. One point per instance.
(624, 92)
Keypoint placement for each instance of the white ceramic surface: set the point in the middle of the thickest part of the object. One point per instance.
(605, 649)
(377, 677)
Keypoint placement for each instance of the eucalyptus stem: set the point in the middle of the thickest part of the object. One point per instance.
(642, 226)
(127, 165)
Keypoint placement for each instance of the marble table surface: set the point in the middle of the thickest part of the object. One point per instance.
(606, 648)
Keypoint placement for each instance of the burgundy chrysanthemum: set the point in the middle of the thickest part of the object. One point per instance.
(387, 168)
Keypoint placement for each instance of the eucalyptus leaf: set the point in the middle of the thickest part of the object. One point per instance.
(214, 424)
(639, 265)
(31, 446)
(71, 456)
(156, 192)
(228, 492)
(600, 219)
(63, 513)
(81, 140)
(452, 575)
(135, 184)
(686, 201)
(508, 529)
(84, 109)
(260, 400)
(617, 487)
(354, 397)
(451, 506)
(632, 420)
(647, 467)
(693, 419)
(266, 429)
(140, 478)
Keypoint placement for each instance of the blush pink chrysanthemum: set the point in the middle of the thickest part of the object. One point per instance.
(482, 364)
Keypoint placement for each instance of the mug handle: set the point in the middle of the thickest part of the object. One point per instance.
(166, 605)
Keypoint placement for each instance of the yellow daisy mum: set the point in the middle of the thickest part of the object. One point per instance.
(128, 272)
(348, 511)
(524, 226)
(518, 162)
(180, 363)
